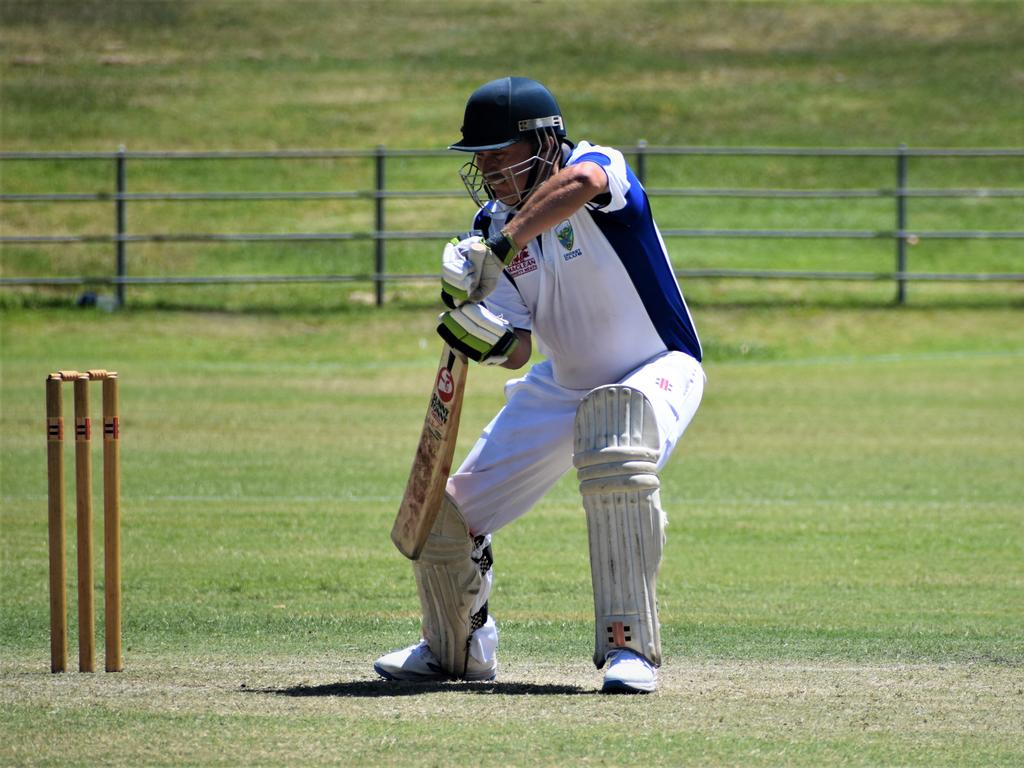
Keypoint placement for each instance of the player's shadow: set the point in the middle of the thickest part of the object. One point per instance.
(389, 688)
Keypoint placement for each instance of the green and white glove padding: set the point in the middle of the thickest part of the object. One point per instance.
(471, 268)
(478, 333)
(459, 275)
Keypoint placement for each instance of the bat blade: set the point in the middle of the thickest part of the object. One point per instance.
(433, 460)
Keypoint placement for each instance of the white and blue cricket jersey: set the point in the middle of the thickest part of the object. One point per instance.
(597, 292)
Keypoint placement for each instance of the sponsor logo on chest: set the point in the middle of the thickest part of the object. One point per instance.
(521, 264)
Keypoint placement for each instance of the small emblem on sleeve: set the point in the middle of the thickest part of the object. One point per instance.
(664, 383)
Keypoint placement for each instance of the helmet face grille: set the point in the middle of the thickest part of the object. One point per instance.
(516, 182)
(473, 178)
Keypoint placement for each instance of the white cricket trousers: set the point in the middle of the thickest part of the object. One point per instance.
(528, 446)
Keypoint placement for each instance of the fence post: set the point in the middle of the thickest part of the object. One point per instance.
(378, 262)
(901, 224)
(119, 208)
(641, 162)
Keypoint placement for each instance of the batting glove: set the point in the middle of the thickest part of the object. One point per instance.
(469, 272)
(478, 333)
(458, 273)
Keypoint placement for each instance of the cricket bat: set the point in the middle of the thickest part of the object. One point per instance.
(433, 461)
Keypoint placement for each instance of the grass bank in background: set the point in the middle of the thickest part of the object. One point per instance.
(161, 75)
(268, 75)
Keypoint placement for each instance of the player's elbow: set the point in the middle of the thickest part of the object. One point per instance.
(590, 178)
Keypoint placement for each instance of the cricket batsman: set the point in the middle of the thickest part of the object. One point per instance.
(574, 264)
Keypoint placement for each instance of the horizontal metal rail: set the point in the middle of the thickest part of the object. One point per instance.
(326, 154)
(901, 192)
(796, 234)
(785, 274)
(831, 152)
(275, 154)
(369, 194)
(846, 234)
(988, 277)
(91, 197)
(203, 237)
(754, 192)
(213, 279)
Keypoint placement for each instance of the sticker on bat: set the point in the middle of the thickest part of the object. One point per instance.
(445, 385)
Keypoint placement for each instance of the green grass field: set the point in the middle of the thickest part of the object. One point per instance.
(842, 582)
(844, 575)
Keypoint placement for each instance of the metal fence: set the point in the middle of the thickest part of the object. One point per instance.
(900, 192)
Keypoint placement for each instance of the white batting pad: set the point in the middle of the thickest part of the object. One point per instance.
(449, 583)
(616, 454)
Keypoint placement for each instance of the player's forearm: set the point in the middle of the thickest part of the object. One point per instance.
(557, 199)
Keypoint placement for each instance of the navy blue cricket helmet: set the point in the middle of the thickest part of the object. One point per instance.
(507, 110)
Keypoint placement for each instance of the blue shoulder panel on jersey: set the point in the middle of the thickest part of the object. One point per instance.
(593, 157)
(636, 204)
(601, 200)
(632, 234)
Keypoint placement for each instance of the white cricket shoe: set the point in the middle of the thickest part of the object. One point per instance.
(628, 672)
(418, 664)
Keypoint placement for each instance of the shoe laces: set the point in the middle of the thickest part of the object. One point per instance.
(421, 649)
(623, 655)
